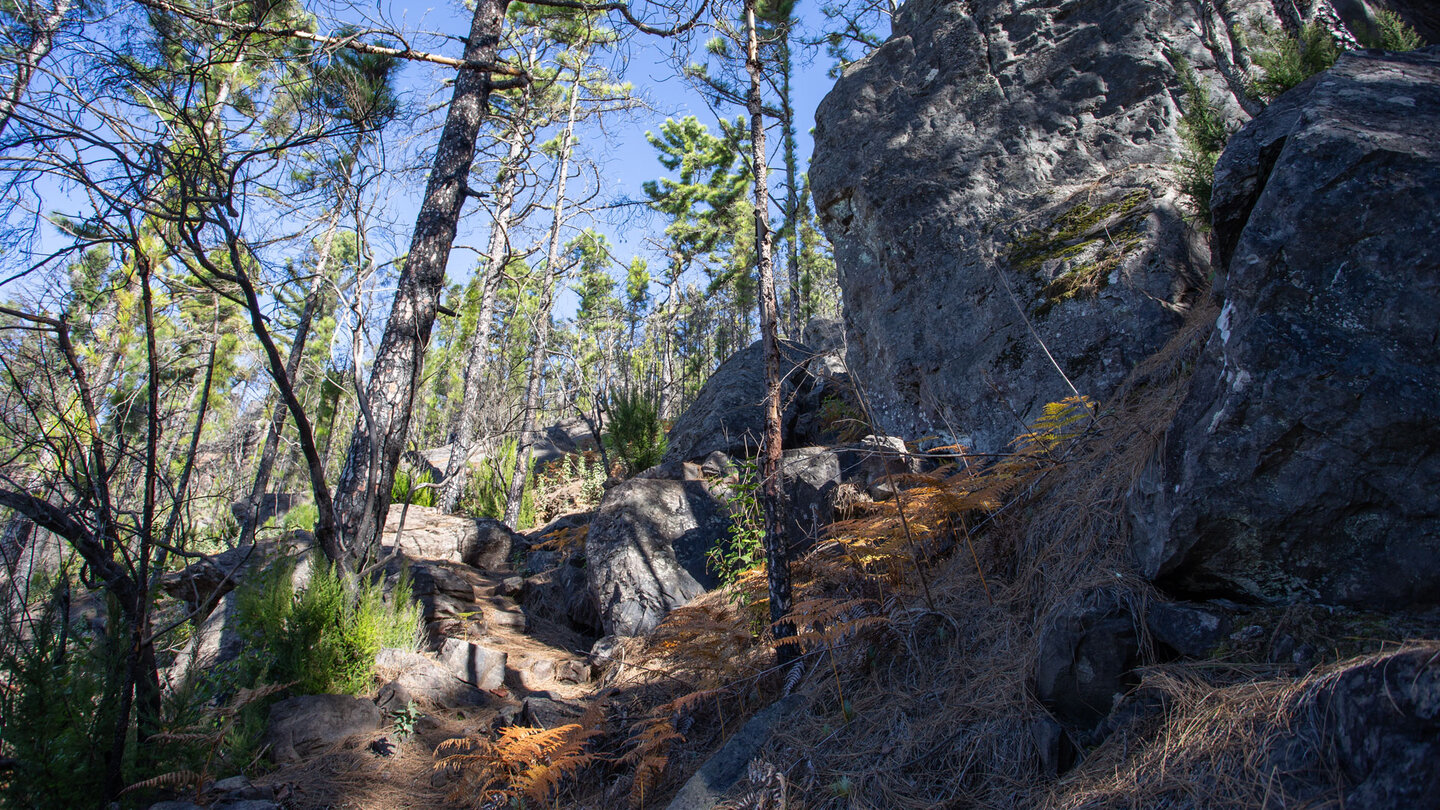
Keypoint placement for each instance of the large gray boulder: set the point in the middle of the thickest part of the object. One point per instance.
(728, 414)
(417, 676)
(431, 534)
(1365, 736)
(475, 664)
(302, 726)
(646, 549)
(1302, 464)
(997, 166)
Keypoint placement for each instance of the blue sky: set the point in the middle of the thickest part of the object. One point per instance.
(627, 159)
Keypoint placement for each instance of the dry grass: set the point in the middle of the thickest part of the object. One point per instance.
(937, 710)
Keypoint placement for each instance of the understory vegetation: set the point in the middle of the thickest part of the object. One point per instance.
(321, 637)
(1203, 132)
(634, 431)
(1283, 60)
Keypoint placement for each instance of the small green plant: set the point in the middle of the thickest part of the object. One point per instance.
(1286, 60)
(487, 489)
(403, 721)
(634, 430)
(413, 489)
(301, 516)
(555, 490)
(324, 637)
(745, 548)
(1392, 34)
(1203, 133)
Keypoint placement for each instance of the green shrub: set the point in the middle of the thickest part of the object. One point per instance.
(1203, 134)
(634, 431)
(301, 516)
(1392, 34)
(324, 637)
(54, 721)
(1286, 60)
(407, 489)
(488, 487)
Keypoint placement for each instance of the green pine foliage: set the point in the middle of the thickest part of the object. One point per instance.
(1286, 60)
(634, 430)
(1203, 133)
(1392, 34)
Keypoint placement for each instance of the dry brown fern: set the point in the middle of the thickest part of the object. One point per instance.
(651, 753)
(523, 763)
(765, 790)
(932, 508)
(705, 644)
(566, 540)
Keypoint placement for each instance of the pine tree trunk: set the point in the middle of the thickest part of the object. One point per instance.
(362, 495)
(457, 469)
(666, 400)
(777, 556)
(516, 493)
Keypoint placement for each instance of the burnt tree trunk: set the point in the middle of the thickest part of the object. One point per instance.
(362, 495)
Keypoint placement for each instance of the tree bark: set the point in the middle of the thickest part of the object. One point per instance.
(457, 469)
(362, 495)
(516, 494)
(777, 553)
(792, 187)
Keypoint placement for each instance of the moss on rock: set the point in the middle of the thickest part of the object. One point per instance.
(1088, 240)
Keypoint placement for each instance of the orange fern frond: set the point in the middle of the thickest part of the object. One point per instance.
(173, 779)
(567, 540)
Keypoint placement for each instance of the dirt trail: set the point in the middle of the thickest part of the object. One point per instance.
(547, 681)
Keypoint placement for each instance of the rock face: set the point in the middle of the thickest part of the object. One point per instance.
(301, 726)
(728, 414)
(1087, 656)
(646, 550)
(559, 593)
(416, 676)
(430, 534)
(1380, 722)
(995, 163)
(1302, 463)
(473, 663)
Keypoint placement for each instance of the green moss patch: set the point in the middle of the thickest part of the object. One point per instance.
(1091, 240)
